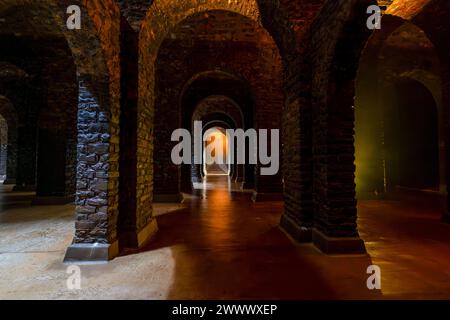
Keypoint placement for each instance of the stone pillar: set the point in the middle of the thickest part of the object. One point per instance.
(268, 188)
(29, 102)
(239, 173)
(186, 179)
(196, 173)
(446, 114)
(335, 228)
(26, 158)
(135, 227)
(167, 175)
(11, 161)
(51, 165)
(298, 216)
(3, 158)
(97, 179)
(248, 177)
(3, 145)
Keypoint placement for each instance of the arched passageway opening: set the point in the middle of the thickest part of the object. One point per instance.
(411, 138)
(399, 136)
(42, 73)
(215, 53)
(216, 152)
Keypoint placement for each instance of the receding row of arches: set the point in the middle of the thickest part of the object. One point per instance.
(96, 123)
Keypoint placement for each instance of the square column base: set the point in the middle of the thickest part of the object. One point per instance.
(9, 181)
(298, 233)
(91, 252)
(332, 245)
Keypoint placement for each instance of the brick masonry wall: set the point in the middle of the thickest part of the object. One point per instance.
(339, 35)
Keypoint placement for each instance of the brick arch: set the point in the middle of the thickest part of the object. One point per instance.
(7, 111)
(213, 108)
(162, 16)
(243, 95)
(91, 49)
(404, 170)
(219, 104)
(433, 19)
(231, 65)
(95, 50)
(334, 70)
(238, 91)
(218, 74)
(374, 75)
(407, 9)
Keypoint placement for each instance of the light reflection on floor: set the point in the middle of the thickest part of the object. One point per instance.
(219, 244)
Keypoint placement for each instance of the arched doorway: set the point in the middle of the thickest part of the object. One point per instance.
(216, 152)
(399, 138)
(411, 137)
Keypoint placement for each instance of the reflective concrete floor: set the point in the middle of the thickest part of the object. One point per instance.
(219, 244)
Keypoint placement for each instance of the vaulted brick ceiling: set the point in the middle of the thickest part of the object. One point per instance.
(407, 9)
(27, 20)
(220, 26)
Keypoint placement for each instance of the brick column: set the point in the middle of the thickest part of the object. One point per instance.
(298, 216)
(134, 226)
(26, 155)
(335, 228)
(97, 178)
(11, 152)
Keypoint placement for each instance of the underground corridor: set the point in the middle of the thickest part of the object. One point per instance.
(224, 149)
